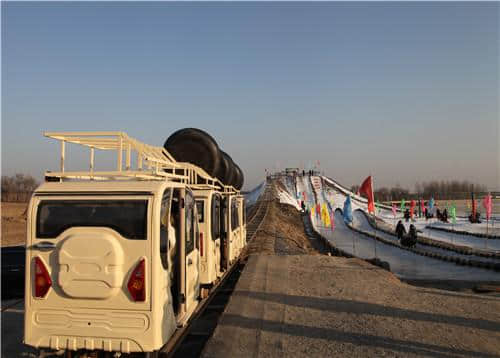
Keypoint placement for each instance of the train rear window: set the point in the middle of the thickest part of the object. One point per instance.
(127, 217)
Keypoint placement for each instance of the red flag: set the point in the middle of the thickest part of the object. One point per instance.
(487, 205)
(412, 207)
(366, 190)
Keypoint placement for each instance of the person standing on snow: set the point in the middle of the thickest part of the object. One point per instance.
(400, 230)
(412, 236)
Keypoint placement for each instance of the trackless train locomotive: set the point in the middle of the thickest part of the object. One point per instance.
(117, 260)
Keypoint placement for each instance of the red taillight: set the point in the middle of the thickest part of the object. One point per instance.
(201, 244)
(42, 279)
(137, 282)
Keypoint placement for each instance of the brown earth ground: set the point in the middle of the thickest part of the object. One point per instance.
(13, 223)
(281, 233)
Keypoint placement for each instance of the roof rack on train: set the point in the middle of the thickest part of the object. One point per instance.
(152, 162)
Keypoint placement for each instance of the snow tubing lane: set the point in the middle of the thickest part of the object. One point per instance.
(195, 146)
(461, 232)
(426, 241)
(339, 252)
(473, 263)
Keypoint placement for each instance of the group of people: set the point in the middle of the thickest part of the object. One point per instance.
(408, 240)
(442, 216)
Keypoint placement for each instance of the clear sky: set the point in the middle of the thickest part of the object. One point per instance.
(405, 91)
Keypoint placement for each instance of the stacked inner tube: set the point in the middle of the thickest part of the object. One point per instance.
(195, 146)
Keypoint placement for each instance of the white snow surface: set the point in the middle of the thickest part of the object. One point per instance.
(288, 197)
(334, 195)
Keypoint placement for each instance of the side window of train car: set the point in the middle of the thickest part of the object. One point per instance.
(189, 207)
(237, 204)
(234, 215)
(200, 207)
(215, 217)
(196, 228)
(164, 226)
(223, 218)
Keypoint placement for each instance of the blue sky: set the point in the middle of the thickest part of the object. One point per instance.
(405, 91)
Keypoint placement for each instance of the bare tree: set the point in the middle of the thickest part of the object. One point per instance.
(18, 187)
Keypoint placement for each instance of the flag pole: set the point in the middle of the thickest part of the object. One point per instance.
(486, 236)
(353, 247)
(487, 222)
(374, 218)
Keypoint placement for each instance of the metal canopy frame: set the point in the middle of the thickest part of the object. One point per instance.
(153, 163)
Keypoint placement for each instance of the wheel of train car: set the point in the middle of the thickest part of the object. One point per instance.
(238, 181)
(195, 146)
(226, 169)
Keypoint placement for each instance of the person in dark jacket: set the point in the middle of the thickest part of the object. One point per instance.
(412, 236)
(407, 215)
(400, 230)
(445, 215)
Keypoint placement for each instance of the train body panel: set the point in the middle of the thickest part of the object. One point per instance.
(209, 217)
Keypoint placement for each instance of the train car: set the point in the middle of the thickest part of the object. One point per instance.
(231, 243)
(114, 259)
(243, 219)
(212, 253)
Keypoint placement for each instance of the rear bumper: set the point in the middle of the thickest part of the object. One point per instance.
(112, 331)
(89, 343)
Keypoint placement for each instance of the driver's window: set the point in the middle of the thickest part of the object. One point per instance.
(164, 226)
(196, 227)
(223, 218)
(189, 205)
(216, 217)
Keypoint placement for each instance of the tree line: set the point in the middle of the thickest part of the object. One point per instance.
(439, 190)
(18, 187)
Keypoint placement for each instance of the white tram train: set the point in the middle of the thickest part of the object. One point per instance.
(117, 260)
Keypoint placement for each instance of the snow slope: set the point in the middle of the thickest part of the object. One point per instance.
(322, 190)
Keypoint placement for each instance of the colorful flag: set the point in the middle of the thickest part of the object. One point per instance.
(403, 205)
(367, 190)
(394, 210)
(431, 204)
(488, 205)
(347, 210)
(453, 214)
(325, 215)
(422, 207)
(473, 206)
(412, 207)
